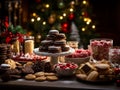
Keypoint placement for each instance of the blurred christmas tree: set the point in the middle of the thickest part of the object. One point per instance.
(62, 15)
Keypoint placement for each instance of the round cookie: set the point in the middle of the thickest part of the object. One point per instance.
(92, 76)
(60, 43)
(52, 78)
(102, 66)
(42, 78)
(61, 36)
(38, 74)
(53, 32)
(30, 77)
(50, 74)
(46, 42)
(54, 49)
(81, 76)
(65, 48)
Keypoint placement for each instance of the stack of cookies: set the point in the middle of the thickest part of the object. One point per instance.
(5, 52)
(55, 42)
(9, 51)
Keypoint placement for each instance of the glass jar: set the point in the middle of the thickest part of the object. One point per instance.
(28, 45)
(15, 45)
(114, 55)
(100, 48)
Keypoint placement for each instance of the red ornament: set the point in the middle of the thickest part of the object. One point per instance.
(117, 70)
(6, 22)
(71, 16)
(85, 14)
(65, 27)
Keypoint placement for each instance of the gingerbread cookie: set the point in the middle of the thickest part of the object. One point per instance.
(92, 76)
(81, 76)
(38, 74)
(50, 74)
(52, 78)
(30, 77)
(102, 66)
(42, 78)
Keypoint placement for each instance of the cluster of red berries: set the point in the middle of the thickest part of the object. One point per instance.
(80, 53)
(65, 66)
(117, 74)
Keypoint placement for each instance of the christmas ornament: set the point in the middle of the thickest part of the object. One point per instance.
(6, 22)
(61, 4)
(65, 27)
(117, 70)
(71, 16)
(52, 18)
(85, 14)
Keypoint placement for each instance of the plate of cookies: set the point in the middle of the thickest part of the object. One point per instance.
(42, 76)
(96, 72)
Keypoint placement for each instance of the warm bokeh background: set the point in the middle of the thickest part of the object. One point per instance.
(106, 13)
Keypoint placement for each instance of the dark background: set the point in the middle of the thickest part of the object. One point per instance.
(106, 14)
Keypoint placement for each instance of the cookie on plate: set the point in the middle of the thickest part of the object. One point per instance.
(49, 74)
(52, 78)
(38, 74)
(81, 76)
(30, 77)
(42, 78)
(92, 76)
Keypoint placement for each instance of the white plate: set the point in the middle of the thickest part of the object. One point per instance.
(36, 51)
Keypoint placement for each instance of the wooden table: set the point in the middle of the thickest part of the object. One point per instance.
(67, 84)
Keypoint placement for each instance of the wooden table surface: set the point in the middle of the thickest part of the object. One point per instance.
(67, 84)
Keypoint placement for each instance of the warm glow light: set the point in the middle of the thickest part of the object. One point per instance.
(93, 26)
(32, 20)
(80, 17)
(44, 23)
(64, 14)
(83, 29)
(85, 19)
(34, 14)
(61, 17)
(39, 36)
(83, 13)
(38, 19)
(71, 9)
(87, 22)
(47, 5)
(84, 2)
(72, 2)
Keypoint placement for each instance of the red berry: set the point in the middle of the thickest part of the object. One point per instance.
(68, 65)
(117, 70)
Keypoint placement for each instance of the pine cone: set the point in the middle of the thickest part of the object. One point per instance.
(38, 66)
(48, 67)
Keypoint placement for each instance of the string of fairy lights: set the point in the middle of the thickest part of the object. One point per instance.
(36, 18)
